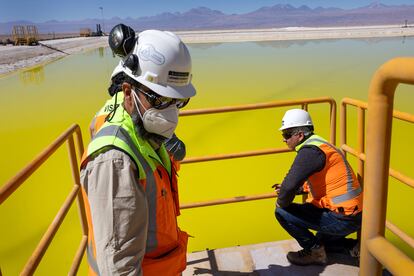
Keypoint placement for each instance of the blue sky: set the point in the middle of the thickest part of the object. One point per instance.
(43, 10)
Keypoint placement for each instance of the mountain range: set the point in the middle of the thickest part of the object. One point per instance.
(277, 16)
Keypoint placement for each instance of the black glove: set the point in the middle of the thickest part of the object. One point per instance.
(300, 191)
(175, 147)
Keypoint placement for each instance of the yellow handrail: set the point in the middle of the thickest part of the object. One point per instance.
(394, 173)
(359, 153)
(7, 189)
(373, 222)
(362, 107)
(227, 200)
(15, 182)
(388, 255)
(302, 102)
(233, 155)
(375, 250)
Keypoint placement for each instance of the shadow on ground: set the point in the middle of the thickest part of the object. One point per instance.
(274, 269)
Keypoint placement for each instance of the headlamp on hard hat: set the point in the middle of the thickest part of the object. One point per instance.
(122, 40)
(131, 61)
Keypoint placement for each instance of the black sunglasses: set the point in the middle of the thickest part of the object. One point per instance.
(287, 135)
(160, 102)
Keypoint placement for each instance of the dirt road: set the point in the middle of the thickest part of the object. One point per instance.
(14, 58)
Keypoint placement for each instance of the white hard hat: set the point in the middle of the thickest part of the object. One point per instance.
(118, 69)
(296, 118)
(161, 62)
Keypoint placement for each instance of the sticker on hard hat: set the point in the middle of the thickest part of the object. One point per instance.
(178, 77)
(147, 52)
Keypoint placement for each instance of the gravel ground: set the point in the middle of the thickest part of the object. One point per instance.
(13, 58)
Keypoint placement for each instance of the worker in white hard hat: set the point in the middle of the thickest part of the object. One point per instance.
(334, 205)
(129, 182)
(174, 145)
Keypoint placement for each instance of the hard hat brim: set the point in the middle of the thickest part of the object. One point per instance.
(286, 127)
(295, 125)
(118, 69)
(175, 92)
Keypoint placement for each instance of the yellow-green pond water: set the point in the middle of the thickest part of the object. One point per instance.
(38, 105)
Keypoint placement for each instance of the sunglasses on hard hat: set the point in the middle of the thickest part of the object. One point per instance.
(160, 102)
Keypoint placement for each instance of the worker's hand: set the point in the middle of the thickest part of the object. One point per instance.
(277, 188)
(301, 191)
(175, 147)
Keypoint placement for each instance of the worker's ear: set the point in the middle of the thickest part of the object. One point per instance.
(126, 87)
(301, 136)
(128, 97)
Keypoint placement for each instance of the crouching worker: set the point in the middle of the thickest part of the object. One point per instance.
(334, 204)
(128, 182)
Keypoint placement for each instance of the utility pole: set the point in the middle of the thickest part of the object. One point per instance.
(103, 20)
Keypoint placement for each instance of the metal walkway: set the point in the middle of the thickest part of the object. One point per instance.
(264, 259)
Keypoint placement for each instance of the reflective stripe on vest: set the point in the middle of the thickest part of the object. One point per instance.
(151, 187)
(91, 260)
(350, 192)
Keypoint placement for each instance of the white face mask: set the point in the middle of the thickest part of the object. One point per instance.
(159, 121)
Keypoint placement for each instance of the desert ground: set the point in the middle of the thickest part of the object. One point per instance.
(14, 58)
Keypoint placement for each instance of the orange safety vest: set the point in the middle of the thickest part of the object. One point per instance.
(335, 187)
(166, 246)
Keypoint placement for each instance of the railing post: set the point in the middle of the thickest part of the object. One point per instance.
(14, 183)
(305, 106)
(333, 122)
(380, 108)
(342, 126)
(361, 143)
(81, 205)
(76, 181)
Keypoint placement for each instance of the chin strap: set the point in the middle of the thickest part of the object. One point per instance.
(111, 114)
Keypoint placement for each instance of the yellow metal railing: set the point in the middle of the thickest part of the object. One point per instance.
(359, 153)
(304, 103)
(376, 251)
(13, 184)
